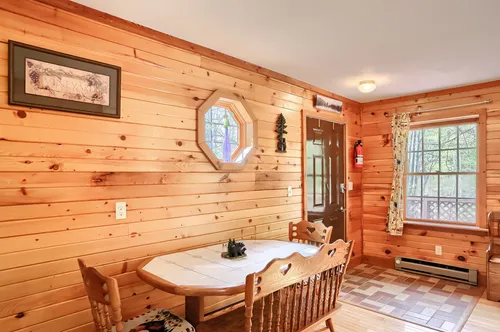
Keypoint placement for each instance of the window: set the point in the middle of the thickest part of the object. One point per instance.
(226, 130)
(222, 132)
(442, 173)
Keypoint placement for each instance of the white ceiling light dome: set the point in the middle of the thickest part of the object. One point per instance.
(367, 86)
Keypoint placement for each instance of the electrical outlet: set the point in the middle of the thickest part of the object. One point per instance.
(439, 250)
(121, 210)
(290, 192)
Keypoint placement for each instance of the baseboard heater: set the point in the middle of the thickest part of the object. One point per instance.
(459, 274)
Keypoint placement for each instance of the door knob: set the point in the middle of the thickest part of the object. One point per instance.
(342, 209)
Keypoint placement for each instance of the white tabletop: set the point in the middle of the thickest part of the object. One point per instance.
(204, 267)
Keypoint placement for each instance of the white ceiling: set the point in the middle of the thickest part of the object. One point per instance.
(406, 46)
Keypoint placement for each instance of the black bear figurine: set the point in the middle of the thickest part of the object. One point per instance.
(235, 249)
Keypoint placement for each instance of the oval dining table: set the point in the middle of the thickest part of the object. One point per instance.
(201, 272)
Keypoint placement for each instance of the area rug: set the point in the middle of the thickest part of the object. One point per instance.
(435, 303)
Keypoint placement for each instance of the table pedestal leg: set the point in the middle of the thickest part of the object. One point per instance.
(195, 309)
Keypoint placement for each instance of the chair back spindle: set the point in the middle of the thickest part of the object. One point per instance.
(313, 233)
(104, 298)
(293, 293)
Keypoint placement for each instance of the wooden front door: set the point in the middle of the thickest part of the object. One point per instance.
(325, 175)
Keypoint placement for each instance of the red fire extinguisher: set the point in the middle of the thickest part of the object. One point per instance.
(358, 154)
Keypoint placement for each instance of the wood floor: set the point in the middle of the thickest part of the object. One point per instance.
(484, 318)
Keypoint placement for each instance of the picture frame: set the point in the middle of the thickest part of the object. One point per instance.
(48, 79)
(328, 104)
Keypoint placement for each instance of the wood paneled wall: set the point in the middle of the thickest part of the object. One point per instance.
(463, 248)
(61, 173)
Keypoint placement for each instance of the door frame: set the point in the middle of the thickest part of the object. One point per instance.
(334, 118)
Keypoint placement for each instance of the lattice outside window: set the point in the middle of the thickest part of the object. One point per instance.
(442, 173)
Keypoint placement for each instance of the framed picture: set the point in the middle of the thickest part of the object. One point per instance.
(328, 104)
(46, 79)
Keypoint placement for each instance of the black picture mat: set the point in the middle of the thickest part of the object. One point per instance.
(18, 52)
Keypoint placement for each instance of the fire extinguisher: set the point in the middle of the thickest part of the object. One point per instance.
(358, 154)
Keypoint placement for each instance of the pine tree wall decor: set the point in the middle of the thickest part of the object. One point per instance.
(280, 130)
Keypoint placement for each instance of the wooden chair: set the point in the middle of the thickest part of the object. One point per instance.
(314, 233)
(290, 294)
(105, 304)
(493, 257)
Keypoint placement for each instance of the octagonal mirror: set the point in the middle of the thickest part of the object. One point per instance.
(227, 130)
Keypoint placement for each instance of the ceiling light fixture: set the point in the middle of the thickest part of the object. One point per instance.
(367, 86)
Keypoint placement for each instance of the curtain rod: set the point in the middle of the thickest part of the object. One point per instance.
(489, 101)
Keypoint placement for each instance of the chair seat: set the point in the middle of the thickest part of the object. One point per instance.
(495, 259)
(160, 320)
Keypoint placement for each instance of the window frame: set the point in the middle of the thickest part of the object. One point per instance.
(480, 120)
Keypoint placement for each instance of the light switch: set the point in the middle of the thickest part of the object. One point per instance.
(290, 192)
(121, 210)
(349, 185)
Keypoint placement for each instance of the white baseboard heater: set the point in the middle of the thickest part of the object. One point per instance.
(459, 274)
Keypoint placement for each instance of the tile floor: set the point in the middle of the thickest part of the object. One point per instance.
(439, 304)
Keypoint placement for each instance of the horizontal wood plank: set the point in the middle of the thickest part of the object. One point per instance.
(61, 174)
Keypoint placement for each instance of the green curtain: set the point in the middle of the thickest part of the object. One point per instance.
(400, 129)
